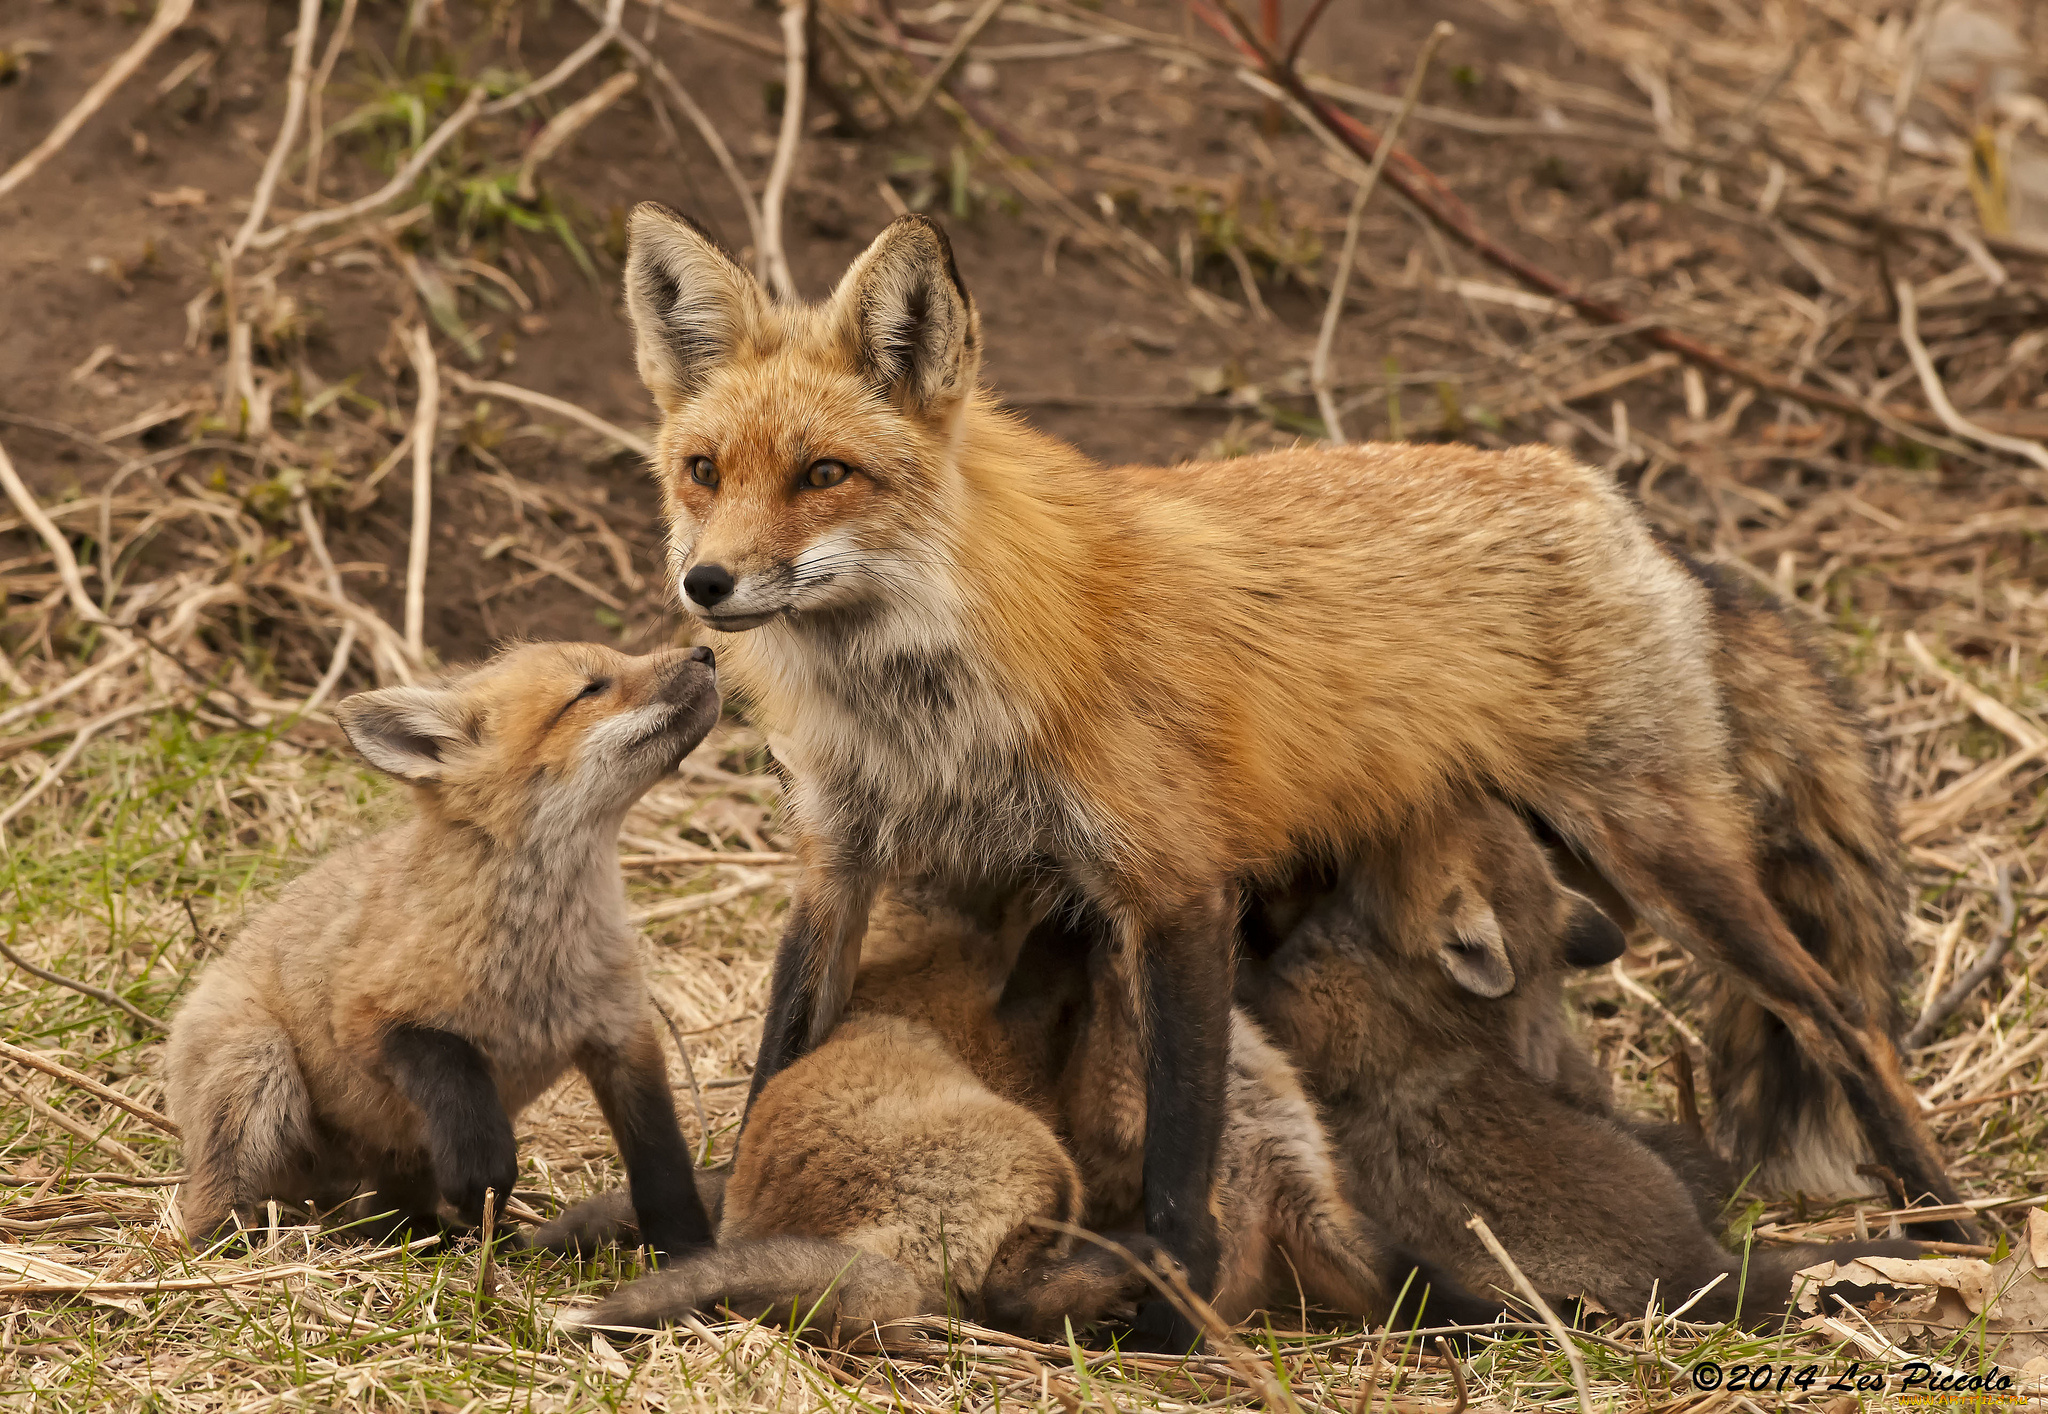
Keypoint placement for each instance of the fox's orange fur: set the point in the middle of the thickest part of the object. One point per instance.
(487, 933)
(984, 655)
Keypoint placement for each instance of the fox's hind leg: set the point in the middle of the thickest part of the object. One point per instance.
(1688, 871)
(236, 1091)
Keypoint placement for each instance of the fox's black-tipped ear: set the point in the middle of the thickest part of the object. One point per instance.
(1591, 938)
(691, 305)
(405, 732)
(1476, 954)
(911, 324)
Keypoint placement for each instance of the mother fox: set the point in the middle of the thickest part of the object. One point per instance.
(985, 657)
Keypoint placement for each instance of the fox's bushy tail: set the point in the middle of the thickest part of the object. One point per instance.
(1828, 851)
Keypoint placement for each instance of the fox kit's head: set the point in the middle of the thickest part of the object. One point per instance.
(545, 738)
(799, 443)
(1460, 925)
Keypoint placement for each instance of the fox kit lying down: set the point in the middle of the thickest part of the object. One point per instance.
(1419, 996)
(390, 1012)
(984, 657)
(881, 1178)
(915, 1141)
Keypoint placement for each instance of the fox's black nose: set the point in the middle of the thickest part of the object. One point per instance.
(701, 655)
(708, 585)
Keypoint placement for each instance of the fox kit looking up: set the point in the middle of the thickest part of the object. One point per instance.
(1419, 996)
(981, 655)
(386, 1017)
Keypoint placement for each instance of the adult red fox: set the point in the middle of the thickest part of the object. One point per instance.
(396, 1006)
(983, 655)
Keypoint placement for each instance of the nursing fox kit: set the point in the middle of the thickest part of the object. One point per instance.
(391, 1012)
(985, 657)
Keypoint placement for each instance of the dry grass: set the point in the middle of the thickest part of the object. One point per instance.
(171, 635)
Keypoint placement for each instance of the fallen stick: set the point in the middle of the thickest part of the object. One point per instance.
(699, 119)
(427, 369)
(401, 181)
(36, 1060)
(1443, 210)
(1319, 368)
(955, 52)
(589, 49)
(566, 124)
(338, 664)
(1937, 396)
(298, 82)
(169, 15)
(773, 261)
(1939, 1010)
(112, 1148)
(547, 403)
(1529, 1293)
(316, 136)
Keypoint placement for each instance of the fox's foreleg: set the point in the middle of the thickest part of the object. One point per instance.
(631, 1085)
(815, 963)
(1184, 963)
(469, 1135)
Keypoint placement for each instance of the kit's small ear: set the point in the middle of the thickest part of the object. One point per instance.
(405, 732)
(1476, 954)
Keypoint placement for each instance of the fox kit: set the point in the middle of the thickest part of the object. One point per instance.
(882, 1177)
(983, 656)
(386, 1017)
(1419, 996)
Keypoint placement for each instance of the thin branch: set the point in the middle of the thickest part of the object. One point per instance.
(36, 1060)
(169, 15)
(699, 119)
(544, 402)
(566, 124)
(1937, 396)
(969, 32)
(60, 548)
(1319, 370)
(338, 664)
(400, 183)
(83, 988)
(316, 135)
(426, 368)
(1530, 1294)
(583, 53)
(112, 1148)
(773, 262)
(297, 83)
(689, 1067)
(1940, 1010)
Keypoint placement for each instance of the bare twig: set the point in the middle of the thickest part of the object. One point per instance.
(486, 1277)
(1937, 396)
(583, 53)
(1319, 369)
(772, 264)
(546, 403)
(112, 1148)
(427, 369)
(1463, 1396)
(569, 122)
(60, 548)
(169, 15)
(700, 120)
(969, 32)
(316, 135)
(400, 183)
(36, 1060)
(1535, 1299)
(309, 520)
(297, 83)
(689, 1067)
(1939, 1010)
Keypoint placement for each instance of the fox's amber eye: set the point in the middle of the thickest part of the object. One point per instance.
(825, 473)
(592, 689)
(703, 471)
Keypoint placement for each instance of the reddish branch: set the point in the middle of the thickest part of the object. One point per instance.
(1434, 200)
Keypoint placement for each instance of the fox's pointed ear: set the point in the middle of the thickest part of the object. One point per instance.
(405, 732)
(691, 305)
(1476, 955)
(913, 328)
